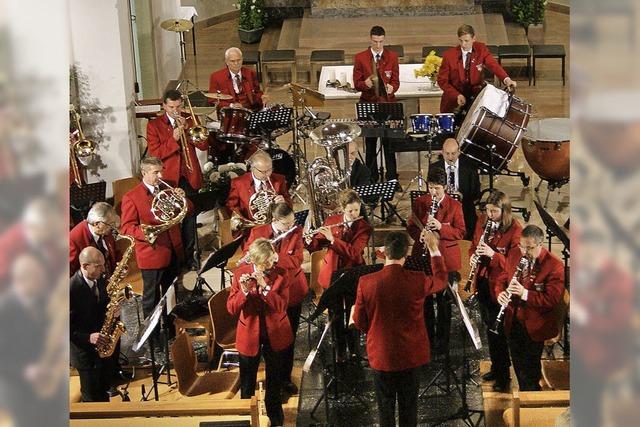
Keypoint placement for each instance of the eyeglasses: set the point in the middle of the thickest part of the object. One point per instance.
(529, 248)
(263, 171)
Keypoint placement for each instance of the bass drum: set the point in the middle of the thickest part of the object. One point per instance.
(546, 148)
(494, 120)
(283, 164)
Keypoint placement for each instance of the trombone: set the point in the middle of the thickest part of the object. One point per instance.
(197, 133)
(81, 149)
(183, 143)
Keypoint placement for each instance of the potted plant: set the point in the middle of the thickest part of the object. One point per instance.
(251, 23)
(530, 13)
(430, 68)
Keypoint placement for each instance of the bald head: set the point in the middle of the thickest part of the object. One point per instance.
(91, 262)
(28, 276)
(450, 151)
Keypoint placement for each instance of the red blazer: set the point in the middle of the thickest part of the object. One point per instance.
(80, 237)
(506, 244)
(389, 308)
(452, 79)
(162, 145)
(136, 210)
(346, 250)
(290, 256)
(243, 187)
(251, 96)
(536, 313)
(248, 308)
(388, 70)
(450, 215)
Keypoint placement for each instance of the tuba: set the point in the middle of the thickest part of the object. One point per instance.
(260, 203)
(81, 149)
(113, 328)
(169, 208)
(327, 176)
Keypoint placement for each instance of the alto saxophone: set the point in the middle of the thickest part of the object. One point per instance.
(113, 328)
(474, 262)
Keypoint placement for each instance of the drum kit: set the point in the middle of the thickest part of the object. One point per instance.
(433, 124)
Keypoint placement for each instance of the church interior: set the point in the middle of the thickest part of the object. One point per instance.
(303, 56)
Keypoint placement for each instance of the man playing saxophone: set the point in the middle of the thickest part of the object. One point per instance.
(252, 194)
(88, 304)
(159, 261)
(529, 318)
(168, 139)
(492, 256)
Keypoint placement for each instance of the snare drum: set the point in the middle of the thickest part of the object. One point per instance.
(495, 122)
(546, 148)
(235, 124)
(423, 123)
(445, 122)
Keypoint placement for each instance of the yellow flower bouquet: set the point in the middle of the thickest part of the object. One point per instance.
(430, 67)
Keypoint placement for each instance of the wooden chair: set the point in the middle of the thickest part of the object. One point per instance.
(556, 51)
(190, 383)
(398, 49)
(317, 259)
(536, 408)
(556, 374)
(120, 187)
(560, 312)
(320, 58)
(278, 57)
(464, 270)
(224, 326)
(202, 322)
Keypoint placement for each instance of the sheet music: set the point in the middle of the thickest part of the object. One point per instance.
(473, 331)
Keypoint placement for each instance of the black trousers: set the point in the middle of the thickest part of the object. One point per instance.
(155, 283)
(498, 347)
(95, 374)
(188, 226)
(439, 328)
(403, 387)
(372, 159)
(293, 313)
(525, 354)
(274, 362)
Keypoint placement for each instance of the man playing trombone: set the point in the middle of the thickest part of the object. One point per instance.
(529, 300)
(168, 139)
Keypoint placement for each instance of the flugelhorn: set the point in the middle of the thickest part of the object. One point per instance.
(169, 208)
(311, 233)
(522, 266)
(81, 149)
(474, 262)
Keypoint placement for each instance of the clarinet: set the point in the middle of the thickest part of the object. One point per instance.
(522, 265)
(474, 262)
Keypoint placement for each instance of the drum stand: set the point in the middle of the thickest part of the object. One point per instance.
(551, 186)
(491, 171)
(420, 177)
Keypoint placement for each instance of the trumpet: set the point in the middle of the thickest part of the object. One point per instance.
(169, 208)
(309, 234)
(81, 149)
(245, 257)
(474, 263)
(522, 266)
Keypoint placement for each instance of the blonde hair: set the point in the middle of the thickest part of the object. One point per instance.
(348, 196)
(260, 251)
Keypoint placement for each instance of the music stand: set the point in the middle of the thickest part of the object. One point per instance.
(219, 259)
(265, 122)
(82, 198)
(337, 297)
(384, 192)
(151, 323)
(381, 113)
(301, 217)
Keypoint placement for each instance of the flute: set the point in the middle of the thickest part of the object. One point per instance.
(522, 265)
(310, 233)
(245, 257)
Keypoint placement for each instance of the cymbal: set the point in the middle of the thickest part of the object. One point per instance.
(177, 25)
(220, 96)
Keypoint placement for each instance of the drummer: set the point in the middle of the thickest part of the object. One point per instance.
(461, 75)
(237, 81)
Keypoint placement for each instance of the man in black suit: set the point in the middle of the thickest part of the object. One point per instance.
(360, 173)
(463, 180)
(88, 305)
